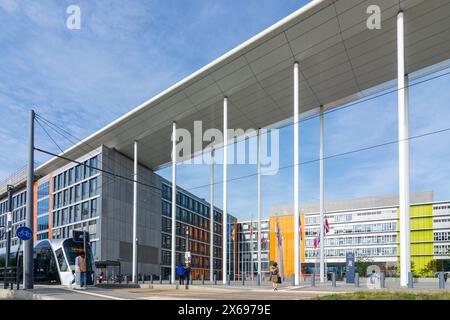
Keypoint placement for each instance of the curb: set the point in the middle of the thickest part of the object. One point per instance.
(8, 294)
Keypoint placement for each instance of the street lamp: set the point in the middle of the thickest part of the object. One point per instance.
(10, 189)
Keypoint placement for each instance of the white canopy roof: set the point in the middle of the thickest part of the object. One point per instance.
(339, 58)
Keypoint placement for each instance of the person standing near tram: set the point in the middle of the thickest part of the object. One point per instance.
(80, 269)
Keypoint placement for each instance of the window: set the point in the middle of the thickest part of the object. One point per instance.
(92, 229)
(64, 216)
(43, 190)
(66, 197)
(77, 213)
(85, 210)
(85, 190)
(78, 173)
(93, 208)
(42, 206)
(85, 169)
(77, 193)
(42, 223)
(62, 263)
(71, 176)
(92, 187)
(93, 162)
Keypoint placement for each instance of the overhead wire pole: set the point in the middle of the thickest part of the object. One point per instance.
(403, 137)
(174, 202)
(296, 174)
(135, 177)
(321, 227)
(224, 190)
(259, 207)
(28, 244)
(211, 217)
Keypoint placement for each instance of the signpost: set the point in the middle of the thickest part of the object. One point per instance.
(350, 264)
(187, 257)
(24, 233)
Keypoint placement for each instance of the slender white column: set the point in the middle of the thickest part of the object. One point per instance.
(135, 177)
(211, 217)
(259, 205)
(174, 202)
(224, 190)
(296, 175)
(403, 135)
(321, 228)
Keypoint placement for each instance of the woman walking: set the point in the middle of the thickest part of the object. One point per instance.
(274, 276)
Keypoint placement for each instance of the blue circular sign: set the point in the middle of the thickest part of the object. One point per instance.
(24, 233)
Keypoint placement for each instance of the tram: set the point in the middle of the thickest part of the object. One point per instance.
(54, 261)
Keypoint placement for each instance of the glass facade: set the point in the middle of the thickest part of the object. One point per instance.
(248, 249)
(193, 226)
(18, 216)
(75, 198)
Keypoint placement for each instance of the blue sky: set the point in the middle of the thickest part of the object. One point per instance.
(126, 52)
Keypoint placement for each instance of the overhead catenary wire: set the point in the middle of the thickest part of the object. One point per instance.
(330, 157)
(70, 137)
(48, 135)
(109, 173)
(96, 168)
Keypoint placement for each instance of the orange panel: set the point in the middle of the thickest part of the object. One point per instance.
(284, 254)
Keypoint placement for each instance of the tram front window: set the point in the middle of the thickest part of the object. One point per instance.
(45, 269)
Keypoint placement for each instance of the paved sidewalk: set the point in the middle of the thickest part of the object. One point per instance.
(235, 291)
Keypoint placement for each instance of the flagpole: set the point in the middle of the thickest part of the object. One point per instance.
(300, 244)
(251, 247)
(229, 250)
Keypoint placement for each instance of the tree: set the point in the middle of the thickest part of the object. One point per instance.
(432, 267)
(361, 265)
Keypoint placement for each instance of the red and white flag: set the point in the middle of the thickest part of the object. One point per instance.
(326, 226)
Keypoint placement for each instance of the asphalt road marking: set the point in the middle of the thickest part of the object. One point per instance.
(96, 294)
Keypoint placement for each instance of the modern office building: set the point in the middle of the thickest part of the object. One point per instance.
(76, 196)
(367, 227)
(248, 248)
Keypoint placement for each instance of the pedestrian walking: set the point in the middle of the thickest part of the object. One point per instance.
(180, 272)
(275, 276)
(80, 269)
(187, 274)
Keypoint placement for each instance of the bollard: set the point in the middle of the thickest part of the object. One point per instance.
(160, 279)
(170, 280)
(215, 279)
(151, 278)
(410, 280)
(258, 278)
(313, 280)
(229, 279)
(243, 280)
(357, 280)
(441, 280)
(203, 279)
(333, 279)
(293, 280)
(382, 280)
